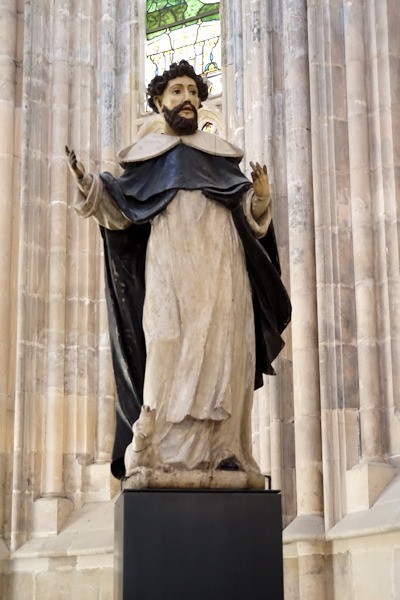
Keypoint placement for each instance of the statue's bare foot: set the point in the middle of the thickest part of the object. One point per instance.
(229, 464)
(166, 468)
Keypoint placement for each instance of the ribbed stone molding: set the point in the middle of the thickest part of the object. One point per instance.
(354, 111)
(52, 479)
(332, 154)
(334, 265)
(362, 227)
(254, 108)
(8, 171)
(307, 413)
(63, 415)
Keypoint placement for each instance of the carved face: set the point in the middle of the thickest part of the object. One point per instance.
(179, 103)
(178, 90)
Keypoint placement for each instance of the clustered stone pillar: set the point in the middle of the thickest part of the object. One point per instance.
(89, 385)
(54, 409)
(302, 265)
(363, 242)
(83, 260)
(384, 20)
(267, 107)
(28, 334)
(8, 51)
(63, 411)
(107, 86)
(254, 112)
(372, 474)
(382, 56)
(53, 507)
(232, 62)
(254, 109)
(263, 114)
(334, 268)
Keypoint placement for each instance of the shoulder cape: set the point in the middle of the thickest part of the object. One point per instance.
(144, 190)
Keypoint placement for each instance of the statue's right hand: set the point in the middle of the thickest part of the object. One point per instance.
(76, 167)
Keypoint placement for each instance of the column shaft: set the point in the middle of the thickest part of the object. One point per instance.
(383, 56)
(108, 101)
(54, 417)
(302, 262)
(17, 532)
(363, 238)
(8, 38)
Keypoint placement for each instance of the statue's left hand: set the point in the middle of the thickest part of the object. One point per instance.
(261, 190)
(76, 167)
(260, 179)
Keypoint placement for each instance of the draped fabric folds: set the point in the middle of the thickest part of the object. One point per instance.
(144, 191)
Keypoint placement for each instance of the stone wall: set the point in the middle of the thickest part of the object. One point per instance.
(315, 94)
(313, 90)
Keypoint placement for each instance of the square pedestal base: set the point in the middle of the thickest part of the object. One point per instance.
(198, 545)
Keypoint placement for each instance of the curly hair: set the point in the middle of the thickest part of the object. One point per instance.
(158, 84)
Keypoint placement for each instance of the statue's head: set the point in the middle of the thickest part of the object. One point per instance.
(177, 94)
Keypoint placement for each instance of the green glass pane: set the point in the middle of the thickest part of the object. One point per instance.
(166, 17)
(184, 29)
(209, 8)
(171, 13)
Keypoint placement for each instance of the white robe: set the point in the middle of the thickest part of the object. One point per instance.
(199, 331)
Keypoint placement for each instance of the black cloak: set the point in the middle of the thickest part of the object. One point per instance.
(142, 192)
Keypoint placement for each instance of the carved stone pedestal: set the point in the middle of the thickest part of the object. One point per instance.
(198, 544)
(144, 478)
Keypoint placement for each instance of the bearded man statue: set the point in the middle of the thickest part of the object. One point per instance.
(196, 305)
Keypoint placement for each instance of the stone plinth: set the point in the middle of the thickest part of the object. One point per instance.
(198, 544)
(365, 483)
(50, 514)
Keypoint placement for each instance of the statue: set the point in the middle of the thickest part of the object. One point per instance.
(195, 302)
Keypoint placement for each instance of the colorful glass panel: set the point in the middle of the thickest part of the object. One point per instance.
(188, 29)
(168, 14)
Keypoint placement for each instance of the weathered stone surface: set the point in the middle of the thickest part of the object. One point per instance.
(313, 89)
(142, 477)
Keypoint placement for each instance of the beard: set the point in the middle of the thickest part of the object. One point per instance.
(181, 125)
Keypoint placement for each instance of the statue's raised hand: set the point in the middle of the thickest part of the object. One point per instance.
(259, 175)
(260, 179)
(76, 167)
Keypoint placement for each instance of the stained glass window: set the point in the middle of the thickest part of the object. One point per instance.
(188, 29)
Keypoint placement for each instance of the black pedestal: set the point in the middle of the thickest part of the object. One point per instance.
(198, 545)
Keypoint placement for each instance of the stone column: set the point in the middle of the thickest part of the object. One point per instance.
(232, 70)
(387, 73)
(363, 239)
(304, 535)
(335, 277)
(256, 106)
(54, 410)
(120, 104)
(53, 508)
(8, 58)
(85, 375)
(372, 473)
(302, 269)
(29, 307)
(108, 92)
(383, 55)
(261, 25)
(254, 83)
(280, 388)
(254, 112)
(82, 137)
